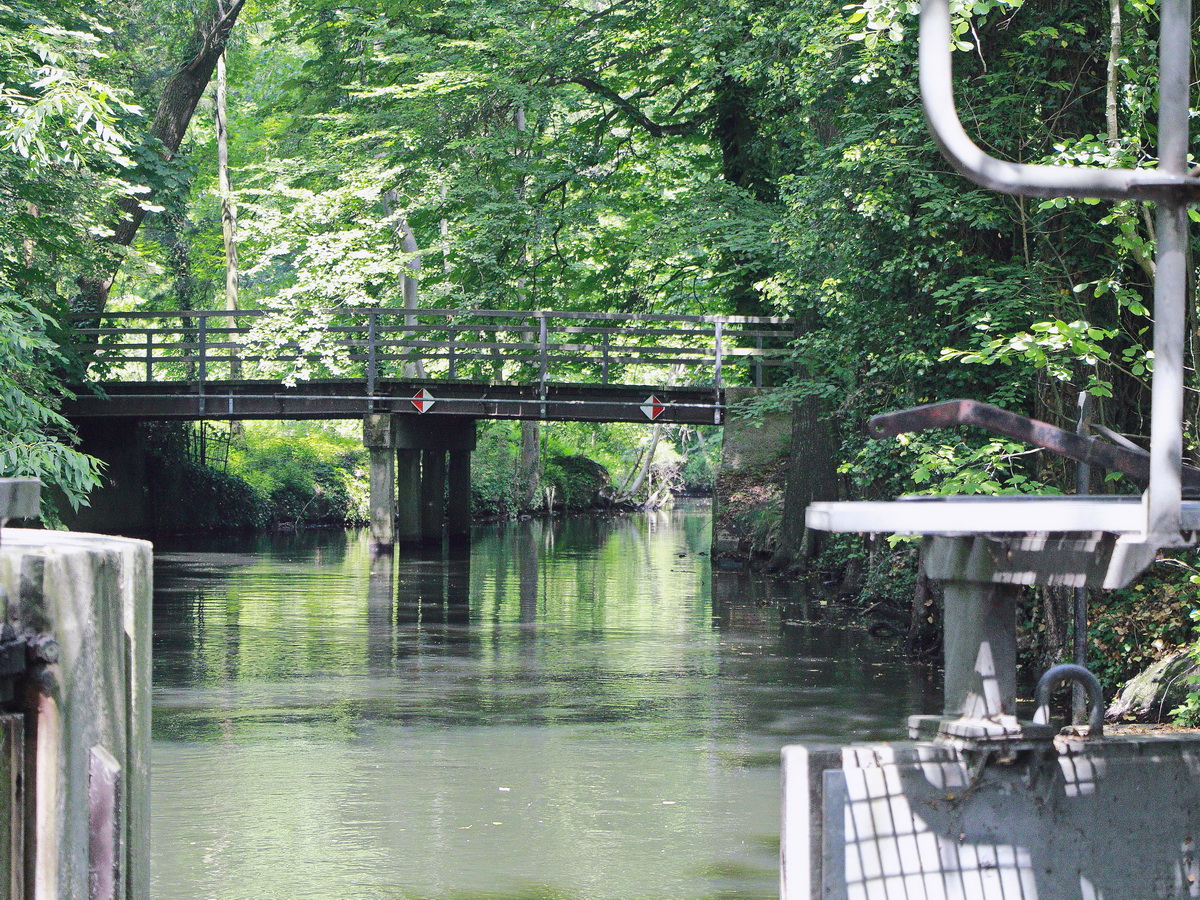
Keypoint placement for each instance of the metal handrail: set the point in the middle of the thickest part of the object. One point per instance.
(195, 346)
(1022, 179)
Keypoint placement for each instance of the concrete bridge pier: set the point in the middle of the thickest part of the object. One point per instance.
(433, 495)
(379, 437)
(408, 496)
(412, 499)
(458, 507)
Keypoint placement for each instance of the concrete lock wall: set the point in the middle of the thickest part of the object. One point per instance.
(83, 803)
(1106, 819)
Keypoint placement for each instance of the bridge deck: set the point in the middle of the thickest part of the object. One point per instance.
(348, 399)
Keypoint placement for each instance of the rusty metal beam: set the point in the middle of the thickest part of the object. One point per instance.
(1134, 463)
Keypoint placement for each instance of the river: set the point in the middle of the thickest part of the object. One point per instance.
(573, 710)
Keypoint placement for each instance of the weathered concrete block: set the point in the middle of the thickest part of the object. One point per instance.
(1068, 560)
(93, 595)
(1084, 820)
(379, 431)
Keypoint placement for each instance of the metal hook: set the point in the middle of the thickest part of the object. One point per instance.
(1071, 672)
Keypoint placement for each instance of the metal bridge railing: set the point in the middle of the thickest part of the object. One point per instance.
(373, 344)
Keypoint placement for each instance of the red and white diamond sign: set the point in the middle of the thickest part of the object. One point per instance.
(423, 401)
(653, 407)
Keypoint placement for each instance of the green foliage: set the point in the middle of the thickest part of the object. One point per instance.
(701, 452)
(1130, 629)
(54, 114)
(1187, 714)
(35, 440)
(61, 158)
(187, 495)
(577, 481)
(290, 475)
(494, 469)
(542, 157)
(304, 473)
(641, 156)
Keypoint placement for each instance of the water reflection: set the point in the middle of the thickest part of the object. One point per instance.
(573, 709)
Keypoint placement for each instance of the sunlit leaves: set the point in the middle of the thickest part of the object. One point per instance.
(53, 114)
(61, 160)
(35, 440)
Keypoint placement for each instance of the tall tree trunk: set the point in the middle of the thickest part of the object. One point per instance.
(1114, 55)
(811, 477)
(228, 211)
(647, 462)
(743, 163)
(180, 95)
(444, 233)
(29, 249)
(529, 468)
(519, 121)
(408, 243)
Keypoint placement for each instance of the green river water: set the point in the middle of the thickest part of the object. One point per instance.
(579, 709)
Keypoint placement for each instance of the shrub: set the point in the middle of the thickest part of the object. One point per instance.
(187, 495)
(306, 472)
(576, 481)
(493, 469)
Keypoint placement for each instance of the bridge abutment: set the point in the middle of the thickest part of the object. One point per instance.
(412, 499)
(123, 504)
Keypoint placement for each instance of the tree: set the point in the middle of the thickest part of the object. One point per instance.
(176, 104)
(62, 161)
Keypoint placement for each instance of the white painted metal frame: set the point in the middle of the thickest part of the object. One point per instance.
(986, 515)
(1161, 517)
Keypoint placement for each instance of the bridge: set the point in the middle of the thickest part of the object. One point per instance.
(418, 379)
(510, 364)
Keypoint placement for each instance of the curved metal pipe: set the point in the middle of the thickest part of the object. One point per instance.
(937, 98)
(1071, 672)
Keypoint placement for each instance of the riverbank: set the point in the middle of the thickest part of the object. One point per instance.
(269, 476)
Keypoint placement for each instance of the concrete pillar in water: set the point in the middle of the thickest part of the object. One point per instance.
(379, 437)
(408, 496)
(433, 495)
(981, 649)
(458, 511)
(80, 815)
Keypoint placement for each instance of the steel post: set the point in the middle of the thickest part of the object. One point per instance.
(1171, 279)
